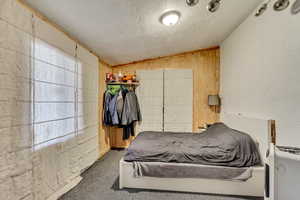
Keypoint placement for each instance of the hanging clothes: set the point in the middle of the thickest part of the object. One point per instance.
(110, 105)
(106, 112)
(120, 101)
(131, 110)
(113, 111)
(128, 131)
(113, 89)
(131, 113)
(121, 108)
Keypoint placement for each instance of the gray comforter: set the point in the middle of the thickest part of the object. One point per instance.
(218, 145)
(187, 170)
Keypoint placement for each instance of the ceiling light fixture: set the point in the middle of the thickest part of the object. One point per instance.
(213, 5)
(261, 9)
(281, 5)
(296, 7)
(170, 18)
(192, 2)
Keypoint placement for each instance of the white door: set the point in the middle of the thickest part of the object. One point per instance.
(178, 100)
(150, 96)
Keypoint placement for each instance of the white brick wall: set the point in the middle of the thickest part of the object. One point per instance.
(26, 173)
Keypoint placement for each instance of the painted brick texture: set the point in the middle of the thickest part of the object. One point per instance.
(27, 172)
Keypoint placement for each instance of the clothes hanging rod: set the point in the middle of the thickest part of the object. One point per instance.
(121, 83)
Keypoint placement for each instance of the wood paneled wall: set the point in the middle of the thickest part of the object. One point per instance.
(104, 131)
(206, 81)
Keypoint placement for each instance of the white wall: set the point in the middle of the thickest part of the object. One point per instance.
(25, 172)
(260, 71)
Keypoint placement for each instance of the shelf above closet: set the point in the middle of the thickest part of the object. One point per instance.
(122, 83)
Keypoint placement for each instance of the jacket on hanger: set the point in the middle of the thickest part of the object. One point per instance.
(106, 114)
(121, 108)
(113, 111)
(110, 109)
(120, 102)
(131, 109)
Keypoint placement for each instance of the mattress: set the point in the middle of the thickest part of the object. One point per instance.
(219, 145)
(254, 186)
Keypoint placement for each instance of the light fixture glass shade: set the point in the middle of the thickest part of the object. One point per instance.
(214, 100)
(170, 18)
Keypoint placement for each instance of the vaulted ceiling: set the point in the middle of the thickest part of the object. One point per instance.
(122, 31)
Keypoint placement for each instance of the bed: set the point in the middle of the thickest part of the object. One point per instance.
(192, 176)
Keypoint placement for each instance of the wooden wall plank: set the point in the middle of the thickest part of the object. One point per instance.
(206, 74)
(104, 131)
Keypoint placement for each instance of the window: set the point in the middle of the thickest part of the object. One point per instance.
(54, 95)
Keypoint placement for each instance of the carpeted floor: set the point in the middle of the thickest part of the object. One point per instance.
(100, 182)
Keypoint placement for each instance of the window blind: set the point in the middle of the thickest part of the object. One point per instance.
(55, 89)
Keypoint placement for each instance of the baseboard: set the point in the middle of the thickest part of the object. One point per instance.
(72, 184)
(118, 148)
(102, 153)
(65, 189)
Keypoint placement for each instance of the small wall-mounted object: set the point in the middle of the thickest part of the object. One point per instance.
(214, 101)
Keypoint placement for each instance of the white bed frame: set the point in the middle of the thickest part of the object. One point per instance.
(259, 130)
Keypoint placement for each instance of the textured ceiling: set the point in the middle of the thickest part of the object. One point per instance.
(122, 31)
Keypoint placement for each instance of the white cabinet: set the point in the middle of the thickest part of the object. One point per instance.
(150, 96)
(166, 100)
(178, 100)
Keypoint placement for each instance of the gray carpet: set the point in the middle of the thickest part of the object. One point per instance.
(100, 182)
